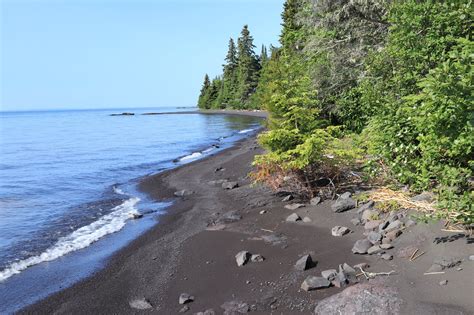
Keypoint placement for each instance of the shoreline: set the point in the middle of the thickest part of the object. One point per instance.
(192, 250)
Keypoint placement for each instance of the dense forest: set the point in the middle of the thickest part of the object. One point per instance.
(372, 91)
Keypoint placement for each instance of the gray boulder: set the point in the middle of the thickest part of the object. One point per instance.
(361, 246)
(363, 298)
(329, 274)
(386, 257)
(372, 225)
(424, 196)
(339, 231)
(395, 225)
(304, 263)
(183, 193)
(368, 205)
(315, 201)
(185, 298)
(343, 204)
(374, 237)
(293, 218)
(374, 250)
(369, 215)
(140, 304)
(230, 185)
(257, 258)
(345, 195)
(315, 283)
(242, 258)
(235, 307)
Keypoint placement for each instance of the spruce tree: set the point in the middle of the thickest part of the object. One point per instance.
(263, 56)
(248, 67)
(229, 80)
(204, 95)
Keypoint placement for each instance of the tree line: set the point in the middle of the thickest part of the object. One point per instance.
(238, 82)
(383, 87)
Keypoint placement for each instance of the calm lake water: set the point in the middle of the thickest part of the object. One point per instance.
(67, 185)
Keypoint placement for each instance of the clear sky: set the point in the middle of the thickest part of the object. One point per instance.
(68, 54)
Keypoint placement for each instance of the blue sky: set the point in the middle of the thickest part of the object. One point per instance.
(120, 53)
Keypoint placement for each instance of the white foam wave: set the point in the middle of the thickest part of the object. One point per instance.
(193, 156)
(78, 239)
(246, 131)
(118, 190)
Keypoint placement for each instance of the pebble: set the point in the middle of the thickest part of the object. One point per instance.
(263, 211)
(242, 258)
(314, 283)
(293, 218)
(185, 298)
(294, 206)
(471, 258)
(184, 309)
(443, 282)
(140, 304)
(339, 231)
(314, 201)
(361, 246)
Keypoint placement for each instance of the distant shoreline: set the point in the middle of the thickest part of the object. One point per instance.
(253, 113)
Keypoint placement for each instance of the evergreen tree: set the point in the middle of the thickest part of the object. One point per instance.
(213, 95)
(263, 56)
(229, 80)
(204, 95)
(248, 67)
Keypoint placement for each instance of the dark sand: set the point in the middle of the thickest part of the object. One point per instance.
(192, 250)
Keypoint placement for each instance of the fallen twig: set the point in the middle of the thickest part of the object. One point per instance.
(434, 273)
(413, 259)
(371, 275)
(412, 255)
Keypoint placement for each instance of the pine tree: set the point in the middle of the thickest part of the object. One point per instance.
(229, 80)
(204, 95)
(263, 56)
(248, 67)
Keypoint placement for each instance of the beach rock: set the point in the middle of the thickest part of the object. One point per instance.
(392, 235)
(230, 185)
(185, 298)
(386, 246)
(339, 231)
(348, 269)
(315, 201)
(386, 257)
(140, 304)
(340, 281)
(184, 309)
(315, 283)
(183, 193)
(207, 312)
(242, 258)
(257, 258)
(440, 264)
(345, 195)
(374, 237)
(372, 225)
(135, 215)
(287, 198)
(294, 206)
(263, 212)
(304, 263)
(363, 298)
(293, 218)
(424, 196)
(471, 258)
(235, 307)
(374, 250)
(366, 206)
(343, 204)
(329, 274)
(395, 225)
(306, 219)
(350, 275)
(356, 221)
(369, 215)
(443, 282)
(361, 246)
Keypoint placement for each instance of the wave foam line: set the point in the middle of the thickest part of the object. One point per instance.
(246, 131)
(195, 155)
(78, 239)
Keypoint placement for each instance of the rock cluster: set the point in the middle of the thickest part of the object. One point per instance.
(244, 257)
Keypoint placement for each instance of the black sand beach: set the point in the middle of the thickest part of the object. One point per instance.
(192, 250)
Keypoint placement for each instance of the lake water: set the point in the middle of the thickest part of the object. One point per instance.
(68, 186)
